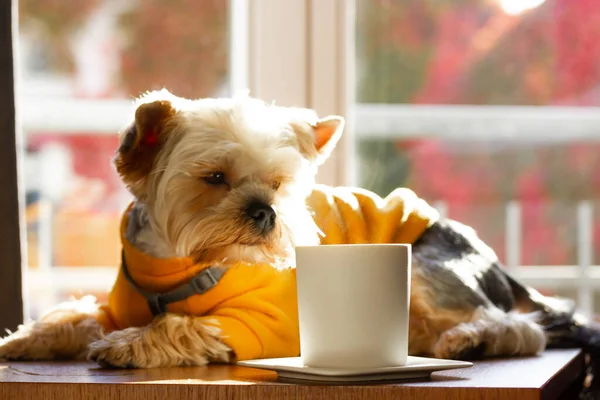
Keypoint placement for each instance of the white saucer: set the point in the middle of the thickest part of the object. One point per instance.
(415, 368)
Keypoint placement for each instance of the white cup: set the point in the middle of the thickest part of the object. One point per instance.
(353, 305)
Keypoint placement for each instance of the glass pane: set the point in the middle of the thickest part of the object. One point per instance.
(477, 103)
(84, 61)
(510, 52)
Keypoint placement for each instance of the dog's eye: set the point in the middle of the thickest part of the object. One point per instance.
(216, 178)
(275, 185)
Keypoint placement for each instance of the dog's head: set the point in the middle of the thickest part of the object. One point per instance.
(225, 178)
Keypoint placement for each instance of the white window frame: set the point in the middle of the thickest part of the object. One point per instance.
(542, 124)
(299, 53)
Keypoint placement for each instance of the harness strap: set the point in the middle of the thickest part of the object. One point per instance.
(158, 302)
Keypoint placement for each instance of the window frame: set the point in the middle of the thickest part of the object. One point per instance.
(303, 57)
(11, 214)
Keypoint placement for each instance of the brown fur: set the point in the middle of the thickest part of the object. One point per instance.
(135, 161)
(64, 332)
(450, 333)
(427, 323)
(170, 340)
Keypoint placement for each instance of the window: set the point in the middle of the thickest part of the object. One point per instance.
(489, 109)
(486, 108)
(81, 65)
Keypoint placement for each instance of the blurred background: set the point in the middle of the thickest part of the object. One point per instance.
(486, 108)
(81, 65)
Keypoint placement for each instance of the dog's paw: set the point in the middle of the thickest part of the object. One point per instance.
(27, 343)
(169, 341)
(13, 348)
(459, 343)
(119, 349)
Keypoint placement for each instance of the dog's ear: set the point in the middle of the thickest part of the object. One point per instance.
(318, 141)
(142, 141)
(327, 133)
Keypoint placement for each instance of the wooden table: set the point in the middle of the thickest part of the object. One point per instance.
(548, 376)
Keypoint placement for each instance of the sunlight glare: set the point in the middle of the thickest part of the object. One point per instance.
(515, 7)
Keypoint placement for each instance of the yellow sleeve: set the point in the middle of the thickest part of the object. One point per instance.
(261, 321)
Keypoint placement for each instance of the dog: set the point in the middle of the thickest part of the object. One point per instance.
(224, 190)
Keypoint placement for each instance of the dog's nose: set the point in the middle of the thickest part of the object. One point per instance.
(262, 215)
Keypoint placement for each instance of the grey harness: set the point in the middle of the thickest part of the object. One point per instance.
(158, 302)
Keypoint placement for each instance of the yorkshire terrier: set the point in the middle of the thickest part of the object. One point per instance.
(224, 189)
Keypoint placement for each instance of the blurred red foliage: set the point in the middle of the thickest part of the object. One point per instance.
(471, 52)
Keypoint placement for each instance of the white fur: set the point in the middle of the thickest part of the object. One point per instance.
(255, 141)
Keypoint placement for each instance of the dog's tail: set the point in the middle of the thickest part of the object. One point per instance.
(565, 327)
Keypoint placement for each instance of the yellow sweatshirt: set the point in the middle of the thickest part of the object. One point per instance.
(255, 305)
